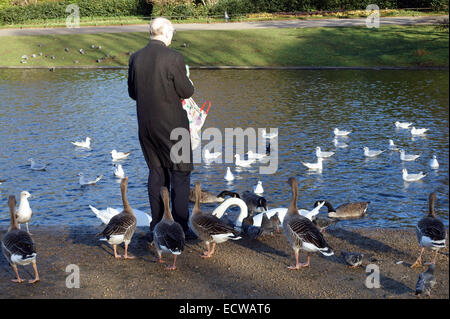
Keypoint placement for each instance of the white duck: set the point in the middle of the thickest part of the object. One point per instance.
(83, 144)
(419, 131)
(119, 155)
(315, 166)
(371, 153)
(229, 175)
(24, 212)
(243, 163)
(319, 153)
(143, 219)
(412, 177)
(402, 124)
(258, 188)
(408, 157)
(35, 166)
(266, 135)
(338, 132)
(118, 171)
(434, 164)
(87, 181)
(208, 155)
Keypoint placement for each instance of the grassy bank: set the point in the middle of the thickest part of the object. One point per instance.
(355, 46)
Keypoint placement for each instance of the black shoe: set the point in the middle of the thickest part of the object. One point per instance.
(190, 235)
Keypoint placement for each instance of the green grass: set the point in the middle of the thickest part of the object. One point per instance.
(345, 46)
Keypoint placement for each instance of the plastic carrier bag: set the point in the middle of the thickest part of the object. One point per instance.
(196, 116)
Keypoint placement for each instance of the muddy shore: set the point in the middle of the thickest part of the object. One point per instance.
(239, 269)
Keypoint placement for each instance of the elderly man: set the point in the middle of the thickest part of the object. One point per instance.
(157, 81)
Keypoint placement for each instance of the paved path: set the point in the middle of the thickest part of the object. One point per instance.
(228, 26)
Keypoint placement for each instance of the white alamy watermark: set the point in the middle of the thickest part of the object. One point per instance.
(247, 140)
(73, 19)
(373, 16)
(73, 279)
(373, 278)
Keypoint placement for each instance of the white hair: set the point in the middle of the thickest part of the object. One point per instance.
(160, 27)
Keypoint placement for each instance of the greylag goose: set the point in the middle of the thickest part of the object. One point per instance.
(18, 246)
(209, 228)
(301, 232)
(208, 197)
(168, 234)
(352, 259)
(254, 202)
(426, 281)
(121, 227)
(347, 210)
(430, 232)
(24, 212)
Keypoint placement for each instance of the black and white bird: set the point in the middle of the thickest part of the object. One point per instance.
(347, 210)
(18, 246)
(121, 227)
(301, 232)
(426, 281)
(254, 202)
(352, 259)
(168, 234)
(430, 232)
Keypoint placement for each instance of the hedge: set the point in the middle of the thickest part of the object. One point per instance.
(181, 9)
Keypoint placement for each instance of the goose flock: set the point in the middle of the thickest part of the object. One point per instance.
(303, 228)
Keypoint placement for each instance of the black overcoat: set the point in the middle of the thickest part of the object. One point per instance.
(157, 81)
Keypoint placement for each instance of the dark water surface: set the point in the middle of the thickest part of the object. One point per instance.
(42, 111)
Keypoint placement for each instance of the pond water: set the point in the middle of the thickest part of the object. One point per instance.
(42, 111)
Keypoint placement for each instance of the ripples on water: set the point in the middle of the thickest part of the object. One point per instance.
(41, 112)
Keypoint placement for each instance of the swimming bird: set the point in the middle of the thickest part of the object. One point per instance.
(408, 157)
(83, 144)
(229, 175)
(258, 188)
(254, 202)
(339, 144)
(402, 124)
(426, 281)
(142, 219)
(168, 234)
(266, 135)
(208, 197)
(392, 146)
(430, 232)
(88, 181)
(412, 177)
(338, 132)
(121, 227)
(243, 163)
(347, 210)
(118, 171)
(319, 153)
(352, 259)
(301, 232)
(419, 131)
(258, 156)
(208, 155)
(119, 155)
(35, 166)
(434, 164)
(18, 246)
(371, 153)
(314, 166)
(24, 212)
(209, 228)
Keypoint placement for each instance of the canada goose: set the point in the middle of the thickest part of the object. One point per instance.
(430, 232)
(209, 228)
(121, 227)
(347, 210)
(301, 232)
(18, 246)
(168, 234)
(208, 197)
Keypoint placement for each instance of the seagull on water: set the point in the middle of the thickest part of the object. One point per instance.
(419, 131)
(408, 157)
(119, 155)
(35, 166)
(402, 124)
(118, 171)
(317, 166)
(208, 155)
(412, 177)
(88, 181)
(434, 164)
(392, 146)
(258, 189)
(319, 153)
(264, 134)
(257, 156)
(371, 153)
(338, 132)
(229, 175)
(243, 163)
(83, 144)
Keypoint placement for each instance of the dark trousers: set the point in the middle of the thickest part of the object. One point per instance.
(178, 183)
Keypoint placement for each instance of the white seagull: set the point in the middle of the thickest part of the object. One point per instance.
(408, 157)
(118, 171)
(419, 131)
(243, 163)
(412, 177)
(258, 189)
(229, 175)
(24, 212)
(87, 181)
(434, 164)
(83, 144)
(319, 153)
(338, 132)
(257, 156)
(392, 146)
(371, 153)
(338, 144)
(35, 166)
(119, 155)
(208, 155)
(402, 124)
(264, 134)
(317, 165)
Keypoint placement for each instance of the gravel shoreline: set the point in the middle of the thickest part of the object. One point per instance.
(238, 270)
